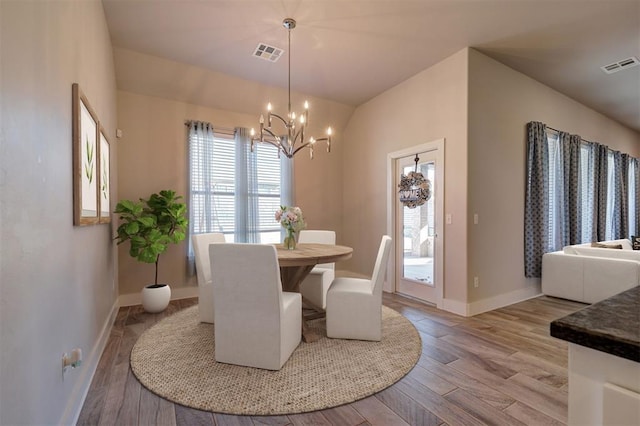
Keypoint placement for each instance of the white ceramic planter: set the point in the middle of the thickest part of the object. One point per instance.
(156, 298)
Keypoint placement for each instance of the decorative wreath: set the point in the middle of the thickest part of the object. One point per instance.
(415, 189)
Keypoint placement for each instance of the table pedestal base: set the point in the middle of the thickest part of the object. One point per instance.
(296, 264)
(291, 278)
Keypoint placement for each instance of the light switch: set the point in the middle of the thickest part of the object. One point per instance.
(447, 218)
(475, 218)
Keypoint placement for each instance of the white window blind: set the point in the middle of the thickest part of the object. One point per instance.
(611, 171)
(245, 212)
(556, 192)
(586, 191)
(212, 184)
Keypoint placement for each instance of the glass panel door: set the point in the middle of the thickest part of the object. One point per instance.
(417, 227)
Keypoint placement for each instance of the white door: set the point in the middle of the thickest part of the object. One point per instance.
(416, 228)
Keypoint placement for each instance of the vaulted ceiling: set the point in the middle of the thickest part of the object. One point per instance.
(351, 50)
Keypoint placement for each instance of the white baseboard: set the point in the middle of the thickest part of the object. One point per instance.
(89, 366)
(131, 299)
(490, 303)
(456, 307)
(502, 300)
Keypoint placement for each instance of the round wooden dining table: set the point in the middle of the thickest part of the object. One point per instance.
(296, 264)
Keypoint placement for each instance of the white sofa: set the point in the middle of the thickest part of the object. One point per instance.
(590, 274)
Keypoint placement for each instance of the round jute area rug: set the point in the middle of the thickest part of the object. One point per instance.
(175, 359)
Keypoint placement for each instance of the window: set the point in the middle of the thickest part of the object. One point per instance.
(576, 192)
(557, 187)
(233, 190)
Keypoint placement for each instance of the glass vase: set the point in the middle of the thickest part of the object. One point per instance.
(290, 240)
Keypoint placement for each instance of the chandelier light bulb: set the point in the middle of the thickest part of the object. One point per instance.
(253, 132)
(269, 107)
(329, 131)
(302, 119)
(306, 105)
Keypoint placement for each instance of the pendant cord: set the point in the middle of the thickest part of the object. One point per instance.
(416, 160)
(289, 81)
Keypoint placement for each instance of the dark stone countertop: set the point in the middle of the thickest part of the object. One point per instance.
(611, 326)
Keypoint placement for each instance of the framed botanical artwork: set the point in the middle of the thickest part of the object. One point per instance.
(104, 178)
(85, 160)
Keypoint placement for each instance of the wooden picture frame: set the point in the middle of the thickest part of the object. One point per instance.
(104, 177)
(85, 154)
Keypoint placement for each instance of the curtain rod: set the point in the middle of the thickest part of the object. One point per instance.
(220, 130)
(225, 131)
(558, 131)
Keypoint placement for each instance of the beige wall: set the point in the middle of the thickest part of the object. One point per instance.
(484, 130)
(501, 102)
(153, 156)
(57, 281)
(429, 106)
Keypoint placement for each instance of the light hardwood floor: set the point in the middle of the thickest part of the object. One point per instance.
(497, 368)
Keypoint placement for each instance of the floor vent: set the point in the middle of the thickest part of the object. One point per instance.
(268, 53)
(621, 65)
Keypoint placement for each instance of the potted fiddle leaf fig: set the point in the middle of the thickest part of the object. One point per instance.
(150, 225)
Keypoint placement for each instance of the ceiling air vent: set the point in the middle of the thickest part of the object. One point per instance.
(268, 53)
(621, 65)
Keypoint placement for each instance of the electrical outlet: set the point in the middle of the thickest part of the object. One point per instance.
(475, 218)
(476, 282)
(448, 218)
(72, 360)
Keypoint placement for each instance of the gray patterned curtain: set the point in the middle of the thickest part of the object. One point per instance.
(536, 213)
(600, 160)
(572, 214)
(620, 211)
(636, 192)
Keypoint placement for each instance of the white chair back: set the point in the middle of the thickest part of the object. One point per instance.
(354, 305)
(249, 312)
(247, 283)
(377, 278)
(318, 237)
(201, 250)
(201, 244)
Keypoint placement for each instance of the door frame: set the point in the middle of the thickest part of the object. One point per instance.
(392, 194)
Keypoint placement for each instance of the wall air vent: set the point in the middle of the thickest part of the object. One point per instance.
(620, 65)
(268, 53)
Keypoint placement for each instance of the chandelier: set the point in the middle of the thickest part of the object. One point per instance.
(294, 124)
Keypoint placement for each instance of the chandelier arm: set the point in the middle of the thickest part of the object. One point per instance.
(305, 145)
(327, 140)
(276, 144)
(297, 137)
(278, 141)
(286, 150)
(285, 122)
(310, 145)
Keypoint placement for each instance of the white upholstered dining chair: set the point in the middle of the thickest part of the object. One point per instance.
(354, 305)
(315, 285)
(256, 323)
(203, 271)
